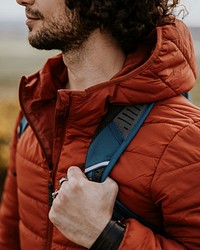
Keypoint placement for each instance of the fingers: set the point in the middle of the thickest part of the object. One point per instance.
(63, 179)
(75, 173)
(76, 180)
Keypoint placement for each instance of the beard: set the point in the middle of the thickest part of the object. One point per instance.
(65, 34)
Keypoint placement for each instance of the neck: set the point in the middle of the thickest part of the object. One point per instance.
(98, 60)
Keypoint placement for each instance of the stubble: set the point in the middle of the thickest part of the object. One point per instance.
(65, 33)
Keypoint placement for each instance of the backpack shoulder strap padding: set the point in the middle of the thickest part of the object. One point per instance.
(112, 140)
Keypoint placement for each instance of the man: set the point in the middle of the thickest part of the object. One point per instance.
(114, 52)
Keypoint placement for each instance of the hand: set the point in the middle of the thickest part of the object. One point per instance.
(83, 208)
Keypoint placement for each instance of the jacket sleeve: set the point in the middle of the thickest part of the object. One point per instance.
(175, 189)
(9, 218)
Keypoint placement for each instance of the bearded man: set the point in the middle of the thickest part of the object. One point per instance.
(113, 52)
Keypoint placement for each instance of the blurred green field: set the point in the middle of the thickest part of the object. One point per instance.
(8, 112)
(16, 59)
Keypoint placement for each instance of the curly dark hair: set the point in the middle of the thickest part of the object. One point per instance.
(127, 20)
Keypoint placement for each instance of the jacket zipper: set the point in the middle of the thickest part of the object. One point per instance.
(50, 187)
(53, 170)
(50, 225)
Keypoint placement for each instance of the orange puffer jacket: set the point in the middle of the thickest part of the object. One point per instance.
(159, 173)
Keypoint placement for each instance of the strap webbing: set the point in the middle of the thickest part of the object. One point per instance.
(121, 212)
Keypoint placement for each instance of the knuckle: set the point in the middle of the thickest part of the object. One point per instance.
(52, 216)
(54, 207)
(112, 185)
(115, 186)
(62, 194)
(76, 185)
(62, 198)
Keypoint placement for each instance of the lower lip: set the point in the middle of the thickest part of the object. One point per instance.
(30, 21)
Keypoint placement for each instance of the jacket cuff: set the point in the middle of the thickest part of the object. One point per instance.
(111, 237)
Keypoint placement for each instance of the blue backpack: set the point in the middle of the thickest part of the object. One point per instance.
(114, 134)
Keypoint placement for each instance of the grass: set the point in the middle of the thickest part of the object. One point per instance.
(8, 111)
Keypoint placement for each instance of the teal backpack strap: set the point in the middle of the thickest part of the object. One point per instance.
(110, 142)
(22, 126)
(116, 131)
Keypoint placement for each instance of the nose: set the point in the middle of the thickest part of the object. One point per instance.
(25, 2)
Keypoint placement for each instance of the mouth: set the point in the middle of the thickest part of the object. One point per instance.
(31, 19)
(32, 16)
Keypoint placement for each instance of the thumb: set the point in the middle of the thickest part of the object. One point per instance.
(75, 172)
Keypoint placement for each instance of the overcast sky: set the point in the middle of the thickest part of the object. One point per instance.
(11, 11)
